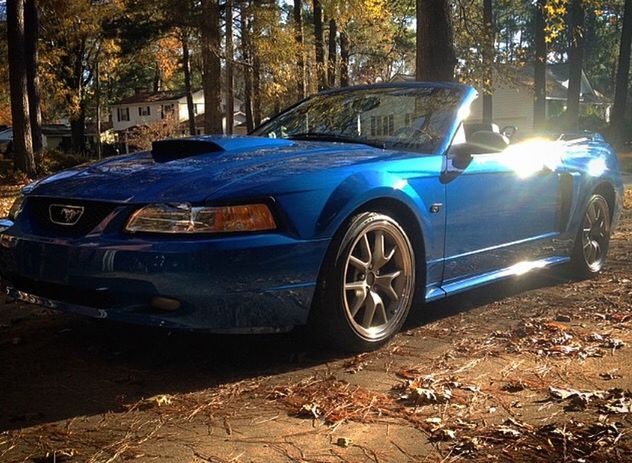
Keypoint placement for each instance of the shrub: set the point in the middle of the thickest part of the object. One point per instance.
(54, 161)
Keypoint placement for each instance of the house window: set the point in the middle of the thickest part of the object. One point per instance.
(373, 123)
(144, 111)
(407, 118)
(391, 124)
(122, 114)
(166, 110)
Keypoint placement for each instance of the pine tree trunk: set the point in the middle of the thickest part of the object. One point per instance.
(300, 43)
(319, 41)
(31, 37)
(78, 119)
(539, 68)
(488, 60)
(332, 58)
(97, 98)
(256, 90)
(157, 80)
(211, 79)
(246, 57)
(436, 57)
(230, 79)
(78, 130)
(186, 70)
(617, 117)
(575, 64)
(22, 142)
(344, 59)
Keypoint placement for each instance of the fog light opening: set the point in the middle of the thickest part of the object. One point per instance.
(165, 304)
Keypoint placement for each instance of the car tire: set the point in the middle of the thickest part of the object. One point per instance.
(366, 286)
(592, 240)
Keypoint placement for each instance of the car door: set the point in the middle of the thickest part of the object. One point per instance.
(501, 209)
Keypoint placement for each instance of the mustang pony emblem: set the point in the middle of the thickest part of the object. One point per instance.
(65, 215)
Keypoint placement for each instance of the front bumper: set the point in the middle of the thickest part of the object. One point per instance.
(247, 283)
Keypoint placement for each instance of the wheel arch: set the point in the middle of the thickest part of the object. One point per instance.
(606, 190)
(399, 210)
(403, 214)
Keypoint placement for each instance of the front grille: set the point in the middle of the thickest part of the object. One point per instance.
(37, 211)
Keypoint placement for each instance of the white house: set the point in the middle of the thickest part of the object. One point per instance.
(144, 108)
(513, 96)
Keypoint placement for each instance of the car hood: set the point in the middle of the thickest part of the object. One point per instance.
(233, 162)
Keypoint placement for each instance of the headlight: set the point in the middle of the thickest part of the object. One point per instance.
(182, 218)
(16, 208)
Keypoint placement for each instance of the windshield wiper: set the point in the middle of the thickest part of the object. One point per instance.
(319, 136)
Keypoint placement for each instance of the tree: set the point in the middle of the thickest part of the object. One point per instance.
(332, 57)
(246, 53)
(344, 59)
(211, 78)
(319, 40)
(230, 79)
(575, 64)
(31, 37)
(539, 67)
(623, 72)
(22, 141)
(300, 44)
(488, 58)
(436, 56)
(186, 71)
(72, 34)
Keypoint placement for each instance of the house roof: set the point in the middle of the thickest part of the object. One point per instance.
(153, 97)
(56, 130)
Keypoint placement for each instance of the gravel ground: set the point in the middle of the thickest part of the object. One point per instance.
(537, 369)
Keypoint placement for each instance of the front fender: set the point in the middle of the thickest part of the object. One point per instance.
(362, 188)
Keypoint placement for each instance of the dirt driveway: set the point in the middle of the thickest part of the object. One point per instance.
(536, 369)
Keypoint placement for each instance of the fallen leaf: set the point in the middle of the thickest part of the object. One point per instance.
(343, 442)
(506, 431)
(310, 410)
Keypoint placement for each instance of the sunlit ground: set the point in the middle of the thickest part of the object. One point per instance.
(531, 364)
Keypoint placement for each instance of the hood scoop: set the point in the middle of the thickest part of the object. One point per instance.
(179, 148)
(170, 150)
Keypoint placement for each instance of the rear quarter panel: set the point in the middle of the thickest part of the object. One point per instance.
(592, 165)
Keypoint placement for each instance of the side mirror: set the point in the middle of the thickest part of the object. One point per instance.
(461, 155)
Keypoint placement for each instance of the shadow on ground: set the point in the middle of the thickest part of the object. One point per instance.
(57, 367)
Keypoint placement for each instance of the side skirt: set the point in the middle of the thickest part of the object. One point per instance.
(475, 281)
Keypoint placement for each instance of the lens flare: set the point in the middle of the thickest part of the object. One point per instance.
(533, 156)
(596, 167)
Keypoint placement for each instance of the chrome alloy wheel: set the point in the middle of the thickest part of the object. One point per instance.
(595, 233)
(379, 278)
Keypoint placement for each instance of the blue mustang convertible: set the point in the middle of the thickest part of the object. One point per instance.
(340, 213)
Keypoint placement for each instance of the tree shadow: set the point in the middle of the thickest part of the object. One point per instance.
(484, 295)
(56, 367)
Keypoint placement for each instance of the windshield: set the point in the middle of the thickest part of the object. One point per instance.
(412, 119)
